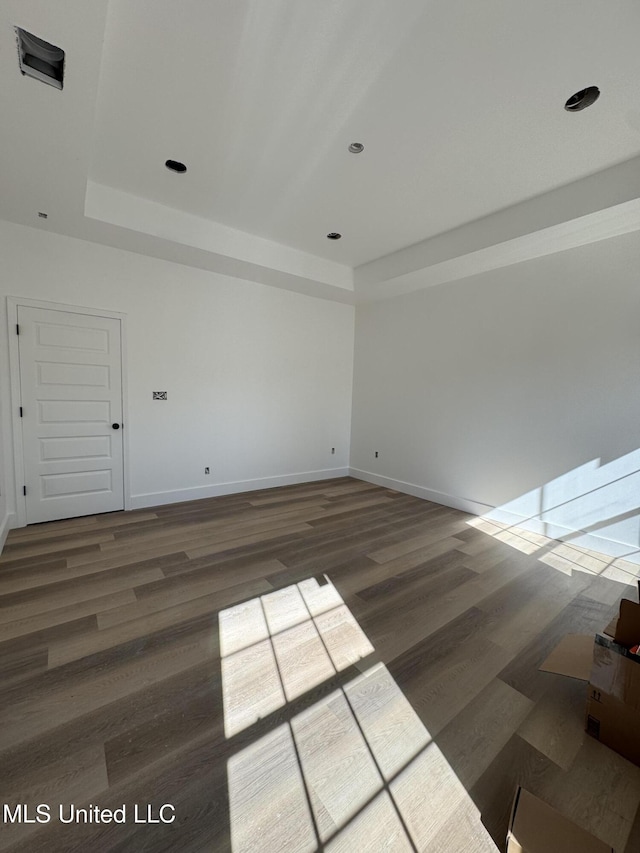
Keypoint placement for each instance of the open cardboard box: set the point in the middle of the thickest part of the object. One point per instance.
(537, 828)
(613, 673)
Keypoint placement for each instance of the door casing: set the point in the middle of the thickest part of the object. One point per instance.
(14, 369)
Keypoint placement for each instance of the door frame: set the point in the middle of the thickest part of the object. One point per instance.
(13, 303)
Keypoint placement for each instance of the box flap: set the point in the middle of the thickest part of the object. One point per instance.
(537, 828)
(572, 657)
(627, 631)
(610, 630)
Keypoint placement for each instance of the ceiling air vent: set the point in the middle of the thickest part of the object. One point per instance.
(40, 59)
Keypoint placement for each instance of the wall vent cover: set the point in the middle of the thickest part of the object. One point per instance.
(39, 59)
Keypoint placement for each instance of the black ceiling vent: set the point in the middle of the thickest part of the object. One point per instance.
(582, 99)
(40, 59)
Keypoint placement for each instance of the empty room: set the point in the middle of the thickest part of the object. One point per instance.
(320, 426)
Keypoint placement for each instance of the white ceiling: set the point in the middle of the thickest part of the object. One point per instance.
(459, 105)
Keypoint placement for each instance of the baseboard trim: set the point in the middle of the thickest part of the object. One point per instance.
(7, 523)
(219, 489)
(455, 502)
(582, 538)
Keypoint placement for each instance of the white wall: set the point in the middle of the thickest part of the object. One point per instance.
(258, 379)
(517, 389)
(477, 392)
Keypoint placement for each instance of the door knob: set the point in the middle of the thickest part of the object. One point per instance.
(115, 426)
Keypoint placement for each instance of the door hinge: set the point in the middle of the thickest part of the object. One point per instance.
(17, 328)
(24, 490)
(21, 415)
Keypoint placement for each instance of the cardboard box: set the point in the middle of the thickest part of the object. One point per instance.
(613, 695)
(613, 698)
(535, 827)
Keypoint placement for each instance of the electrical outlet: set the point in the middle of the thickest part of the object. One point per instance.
(206, 470)
(376, 454)
(333, 450)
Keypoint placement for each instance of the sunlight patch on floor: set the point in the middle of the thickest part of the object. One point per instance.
(355, 771)
(525, 541)
(251, 686)
(278, 646)
(268, 805)
(565, 557)
(376, 828)
(585, 520)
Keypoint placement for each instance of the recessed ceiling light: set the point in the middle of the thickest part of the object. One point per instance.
(176, 166)
(356, 148)
(333, 235)
(42, 215)
(582, 99)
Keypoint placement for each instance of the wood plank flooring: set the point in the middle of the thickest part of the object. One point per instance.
(112, 687)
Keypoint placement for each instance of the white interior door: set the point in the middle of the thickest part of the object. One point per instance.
(71, 396)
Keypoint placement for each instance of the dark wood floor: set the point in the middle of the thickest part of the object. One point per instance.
(111, 686)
